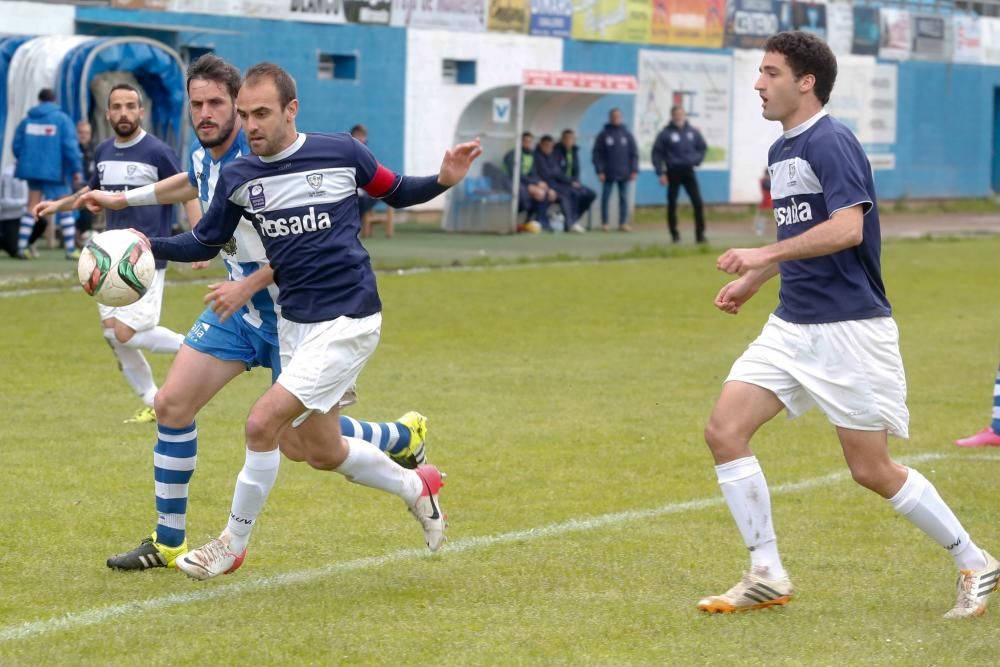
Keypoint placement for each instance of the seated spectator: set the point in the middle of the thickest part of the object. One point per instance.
(547, 166)
(366, 204)
(568, 155)
(534, 195)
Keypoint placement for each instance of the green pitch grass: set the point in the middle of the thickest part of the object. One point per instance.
(566, 403)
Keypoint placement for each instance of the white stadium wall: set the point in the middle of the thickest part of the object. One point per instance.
(22, 18)
(433, 107)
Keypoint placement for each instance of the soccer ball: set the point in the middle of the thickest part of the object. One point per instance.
(116, 267)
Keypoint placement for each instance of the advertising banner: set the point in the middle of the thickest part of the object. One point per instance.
(701, 84)
(895, 34)
(750, 22)
(552, 18)
(464, 15)
(612, 20)
(866, 100)
(840, 27)
(809, 17)
(688, 23)
(930, 36)
(990, 28)
(968, 40)
(318, 11)
(867, 31)
(508, 15)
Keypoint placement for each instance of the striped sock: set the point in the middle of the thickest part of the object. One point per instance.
(390, 437)
(68, 224)
(24, 232)
(174, 460)
(996, 405)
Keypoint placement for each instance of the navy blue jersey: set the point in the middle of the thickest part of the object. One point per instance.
(141, 161)
(816, 170)
(303, 203)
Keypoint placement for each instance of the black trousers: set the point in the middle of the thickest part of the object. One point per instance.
(684, 176)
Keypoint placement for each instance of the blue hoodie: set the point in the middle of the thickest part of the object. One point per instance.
(46, 146)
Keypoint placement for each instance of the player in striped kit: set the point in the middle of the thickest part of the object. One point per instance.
(237, 331)
(989, 436)
(300, 191)
(132, 159)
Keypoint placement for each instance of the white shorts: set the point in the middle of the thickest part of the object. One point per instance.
(143, 314)
(852, 370)
(321, 361)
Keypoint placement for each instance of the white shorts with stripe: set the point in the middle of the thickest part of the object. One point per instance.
(852, 370)
(143, 314)
(321, 361)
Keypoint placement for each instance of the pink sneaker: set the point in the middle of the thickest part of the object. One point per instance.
(985, 438)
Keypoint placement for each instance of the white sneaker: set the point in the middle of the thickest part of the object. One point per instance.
(753, 591)
(427, 510)
(578, 228)
(210, 560)
(974, 588)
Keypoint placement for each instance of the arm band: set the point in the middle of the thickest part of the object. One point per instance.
(182, 248)
(144, 196)
(414, 190)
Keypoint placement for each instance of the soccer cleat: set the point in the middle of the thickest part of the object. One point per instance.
(577, 228)
(142, 416)
(210, 560)
(413, 455)
(985, 438)
(427, 510)
(149, 553)
(974, 589)
(73, 256)
(751, 592)
(625, 228)
(23, 254)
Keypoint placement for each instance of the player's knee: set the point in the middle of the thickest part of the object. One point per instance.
(259, 429)
(870, 477)
(722, 437)
(172, 410)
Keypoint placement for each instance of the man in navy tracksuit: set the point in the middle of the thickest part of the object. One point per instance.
(547, 166)
(48, 156)
(568, 156)
(678, 149)
(616, 160)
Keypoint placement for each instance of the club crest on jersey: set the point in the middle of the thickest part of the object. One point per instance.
(315, 181)
(131, 169)
(791, 173)
(257, 196)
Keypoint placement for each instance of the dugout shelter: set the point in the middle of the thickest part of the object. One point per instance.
(545, 102)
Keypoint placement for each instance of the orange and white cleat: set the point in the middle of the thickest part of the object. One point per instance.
(753, 591)
(975, 588)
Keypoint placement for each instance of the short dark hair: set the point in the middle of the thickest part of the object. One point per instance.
(359, 128)
(546, 137)
(527, 135)
(46, 95)
(210, 67)
(567, 131)
(676, 107)
(125, 86)
(807, 54)
(283, 81)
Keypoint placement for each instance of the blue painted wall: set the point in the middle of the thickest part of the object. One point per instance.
(375, 98)
(624, 59)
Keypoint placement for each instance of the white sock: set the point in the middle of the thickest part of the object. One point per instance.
(252, 486)
(367, 465)
(134, 367)
(157, 339)
(745, 490)
(919, 502)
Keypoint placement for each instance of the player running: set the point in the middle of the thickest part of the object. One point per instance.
(832, 341)
(236, 332)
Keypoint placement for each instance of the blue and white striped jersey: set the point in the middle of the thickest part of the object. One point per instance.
(244, 253)
(141, 161)
(303, 204)
(817, 169)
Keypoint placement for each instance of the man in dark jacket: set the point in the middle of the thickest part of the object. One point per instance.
(547, 166)
(534, 194)
(568, 156)
(616, 160)
(678, 149)
(48, 156)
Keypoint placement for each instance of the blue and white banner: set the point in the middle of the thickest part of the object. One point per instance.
(750, 22)
(552, 18)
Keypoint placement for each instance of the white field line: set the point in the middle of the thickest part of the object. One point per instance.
(75, 620)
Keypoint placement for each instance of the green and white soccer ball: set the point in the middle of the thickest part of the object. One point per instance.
(116, 267)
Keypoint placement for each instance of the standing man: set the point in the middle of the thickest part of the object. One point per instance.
(831, 342)
(237, 331)
(568, 157)
(678, 149)
(616, 160)
(48, 158)
(300, 192)
(131, 159)
(85, 218)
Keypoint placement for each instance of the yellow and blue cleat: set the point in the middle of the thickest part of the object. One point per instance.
(413, 454)
(144, 415)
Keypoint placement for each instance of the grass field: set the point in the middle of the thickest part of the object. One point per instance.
(566, 402)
